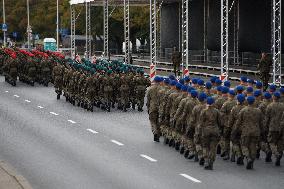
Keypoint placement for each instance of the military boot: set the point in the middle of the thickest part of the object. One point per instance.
(181, 150)
(166, 141)
(171, 142)
(58, 96)
(156, 138)
(278, 159)
(249, 163)
(240, 161)
(196, 159)
(191, 155)
(233, 157)
(201, 161)
(218, 149)
(257, 153)
(226, 156)
(186, 153)
(268, 157)
(208, 165)
(177, 147)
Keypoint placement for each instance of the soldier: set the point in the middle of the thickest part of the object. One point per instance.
(45, 71)
(208, 87)
(236, 133)
(57, 76)
(176, 59)
(273, 116)
(226, 129)
(259, 85)
(108, 90)
(210, 123)
(124, 93)
(250, 125)
(141, 84)
(263, 143)
(194, 122)
(152, 106)
(264, 69)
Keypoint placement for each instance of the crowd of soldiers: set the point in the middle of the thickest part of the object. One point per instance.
(29, 66)
(104, 84)
(201, 119)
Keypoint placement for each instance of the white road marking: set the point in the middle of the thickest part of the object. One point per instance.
(148, 157)
(71, 121)
(92, 131)
(53, 113)
(116, 142)
(16, 96)
(40, 107)
(27, 101)
(6, 91)
(190, 178)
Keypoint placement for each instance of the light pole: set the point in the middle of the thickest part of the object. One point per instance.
(4, 22)
(57, 26)
(29, 27)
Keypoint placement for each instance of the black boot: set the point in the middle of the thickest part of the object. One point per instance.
(177, 146)
(201, 161)
(233, 158)
(226, 157)
(196, 159)
(58, 96)
(156, 138)
(249, 164)
(181, 150)
(166, 141)
(171, 142)
(278, 159)
(186, 153)
(240, 161)
(268, 157)
(218, 149)
(257, 154)
(191, 155)
(208, 166)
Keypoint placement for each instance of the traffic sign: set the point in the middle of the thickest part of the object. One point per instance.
(4, 27)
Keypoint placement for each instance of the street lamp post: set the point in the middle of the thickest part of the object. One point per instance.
(29, 27)
(57, 26)
(4, 22)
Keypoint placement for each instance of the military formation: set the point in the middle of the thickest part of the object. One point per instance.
(202, 119)
(104, 85)
(28, 66)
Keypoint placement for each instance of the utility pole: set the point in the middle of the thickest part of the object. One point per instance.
(57, 26)
(29, 27)
(4, 22)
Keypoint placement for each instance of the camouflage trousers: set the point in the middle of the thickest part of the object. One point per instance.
(209, 146)
(153, 117)
(249, 146)
(275, 140)
(225, 140)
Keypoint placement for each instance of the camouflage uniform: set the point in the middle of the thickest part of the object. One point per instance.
(210, 122)
(249, 123)
(272, 124)
(152, 106)
(225, 139)
(57, 76)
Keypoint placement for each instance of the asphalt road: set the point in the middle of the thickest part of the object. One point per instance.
(55, 145)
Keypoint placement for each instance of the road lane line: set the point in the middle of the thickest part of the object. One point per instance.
(40, 107)
(16, 96)
(6, 91)
(92, 131)
(190, 178)
(27, 101)
(148, 158)
(53, 113)
(116, 142)
(71, 121)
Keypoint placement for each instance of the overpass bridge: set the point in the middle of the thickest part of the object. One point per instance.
(227, 28)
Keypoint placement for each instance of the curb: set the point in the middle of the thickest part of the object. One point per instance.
(12, 173)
